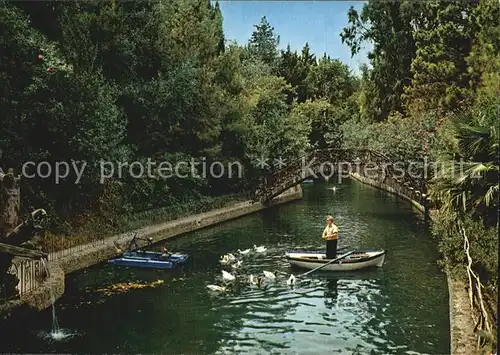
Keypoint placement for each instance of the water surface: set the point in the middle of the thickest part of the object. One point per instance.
(401, 308)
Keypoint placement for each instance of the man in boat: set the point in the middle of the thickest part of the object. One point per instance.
(331, 235)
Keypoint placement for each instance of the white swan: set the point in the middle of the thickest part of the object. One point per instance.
(270, 275)
(255, 280)
(237, 264)
(216, 288)
(291, 280)
(227, 259)
(246, 251)
(227, 276)
(260, 249)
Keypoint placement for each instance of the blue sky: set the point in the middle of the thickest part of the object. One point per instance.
(296, 22)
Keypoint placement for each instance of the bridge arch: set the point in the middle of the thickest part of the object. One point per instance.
(327, 162)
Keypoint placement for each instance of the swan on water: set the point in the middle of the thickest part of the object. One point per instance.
(237, 264)
(216, 288)
(291, 280)
(255, 280)
(270, 275)
(227, 276)
(227, 259)
(260, 249)
(246, 251)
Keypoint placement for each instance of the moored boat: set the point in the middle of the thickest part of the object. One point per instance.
(357, 260)
(150, 259)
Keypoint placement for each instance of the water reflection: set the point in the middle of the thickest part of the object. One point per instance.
(331, 293)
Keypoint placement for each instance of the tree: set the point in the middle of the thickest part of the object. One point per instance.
(368, 99)
(190, 30)
(484, 58)
(295, 69)
(307, 58)
(270, 131)
(443, 39)
(292, 71)
(330, 79)
(263, 44)
(320, 115)
(389, 26)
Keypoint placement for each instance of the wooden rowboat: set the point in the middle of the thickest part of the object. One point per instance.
(359, 259)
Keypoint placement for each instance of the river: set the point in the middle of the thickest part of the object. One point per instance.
(401, 308)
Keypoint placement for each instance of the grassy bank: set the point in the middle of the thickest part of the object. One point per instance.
(98, 227)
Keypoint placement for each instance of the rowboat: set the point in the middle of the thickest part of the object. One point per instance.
(357, 260)
(150, 259)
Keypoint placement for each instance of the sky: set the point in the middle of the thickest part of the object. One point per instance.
(296, 22)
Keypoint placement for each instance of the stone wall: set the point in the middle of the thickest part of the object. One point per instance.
(52, 287)
(414, 197)
(462, 338)
(38, 299)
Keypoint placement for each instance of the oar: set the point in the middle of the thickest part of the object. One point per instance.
(328, 263)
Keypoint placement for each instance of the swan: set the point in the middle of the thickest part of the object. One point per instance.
(227, 259)
(291, 280)
(255, 280)
(260, 249)
(216, 288)
(227, 276)
(270, 275)
(246, 251)
(237, 264)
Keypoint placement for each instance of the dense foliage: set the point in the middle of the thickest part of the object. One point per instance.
(124, 81)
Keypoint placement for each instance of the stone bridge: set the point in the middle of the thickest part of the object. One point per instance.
(324, 163)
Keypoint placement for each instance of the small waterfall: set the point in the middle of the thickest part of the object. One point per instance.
(56, 332)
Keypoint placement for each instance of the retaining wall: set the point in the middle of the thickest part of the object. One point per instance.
(40, 297)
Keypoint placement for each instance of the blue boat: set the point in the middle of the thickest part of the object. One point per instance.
(151, 259)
